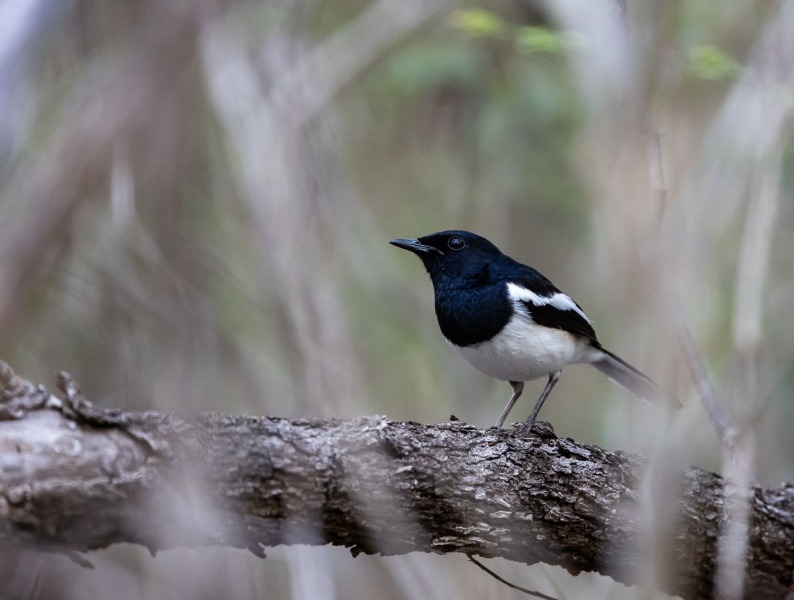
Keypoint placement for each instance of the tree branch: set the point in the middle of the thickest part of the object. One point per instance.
(76, 477)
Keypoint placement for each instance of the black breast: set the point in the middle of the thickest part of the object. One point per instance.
(474, 315)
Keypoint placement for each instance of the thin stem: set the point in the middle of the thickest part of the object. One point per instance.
(507, 583)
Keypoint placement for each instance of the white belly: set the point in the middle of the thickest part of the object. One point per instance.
(523, 351)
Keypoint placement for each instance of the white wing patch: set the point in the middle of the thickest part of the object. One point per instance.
(518, 293)
(525, 350)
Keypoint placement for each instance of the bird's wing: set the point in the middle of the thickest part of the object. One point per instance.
(549, 307)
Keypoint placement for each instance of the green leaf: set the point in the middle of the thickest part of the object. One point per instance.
(709, 62)
(540, 39)
(478, 22)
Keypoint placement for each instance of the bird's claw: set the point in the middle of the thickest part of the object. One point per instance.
(539, 428)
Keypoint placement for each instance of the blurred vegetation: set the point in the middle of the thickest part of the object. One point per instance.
(197, 200)
(709, 62)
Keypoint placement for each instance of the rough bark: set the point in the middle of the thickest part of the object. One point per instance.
(74, 477)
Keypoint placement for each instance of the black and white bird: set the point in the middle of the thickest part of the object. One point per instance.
(509, 321)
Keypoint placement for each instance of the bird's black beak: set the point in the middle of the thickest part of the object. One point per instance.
(414, 246)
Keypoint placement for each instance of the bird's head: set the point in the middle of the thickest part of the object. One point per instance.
(455, 256)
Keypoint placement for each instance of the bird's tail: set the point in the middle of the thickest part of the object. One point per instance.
(632, 379)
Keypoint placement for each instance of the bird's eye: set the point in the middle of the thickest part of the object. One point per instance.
(456, 243)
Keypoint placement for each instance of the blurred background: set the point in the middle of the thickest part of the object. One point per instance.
(197, 198)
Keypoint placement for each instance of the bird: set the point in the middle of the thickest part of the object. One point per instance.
(511, 322)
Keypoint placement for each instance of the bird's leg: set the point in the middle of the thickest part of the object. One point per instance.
(518, 387)
(553, 379)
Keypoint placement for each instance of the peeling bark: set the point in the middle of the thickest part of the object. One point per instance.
(74, 477)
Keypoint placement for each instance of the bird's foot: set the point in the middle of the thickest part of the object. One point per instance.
(539, 428)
